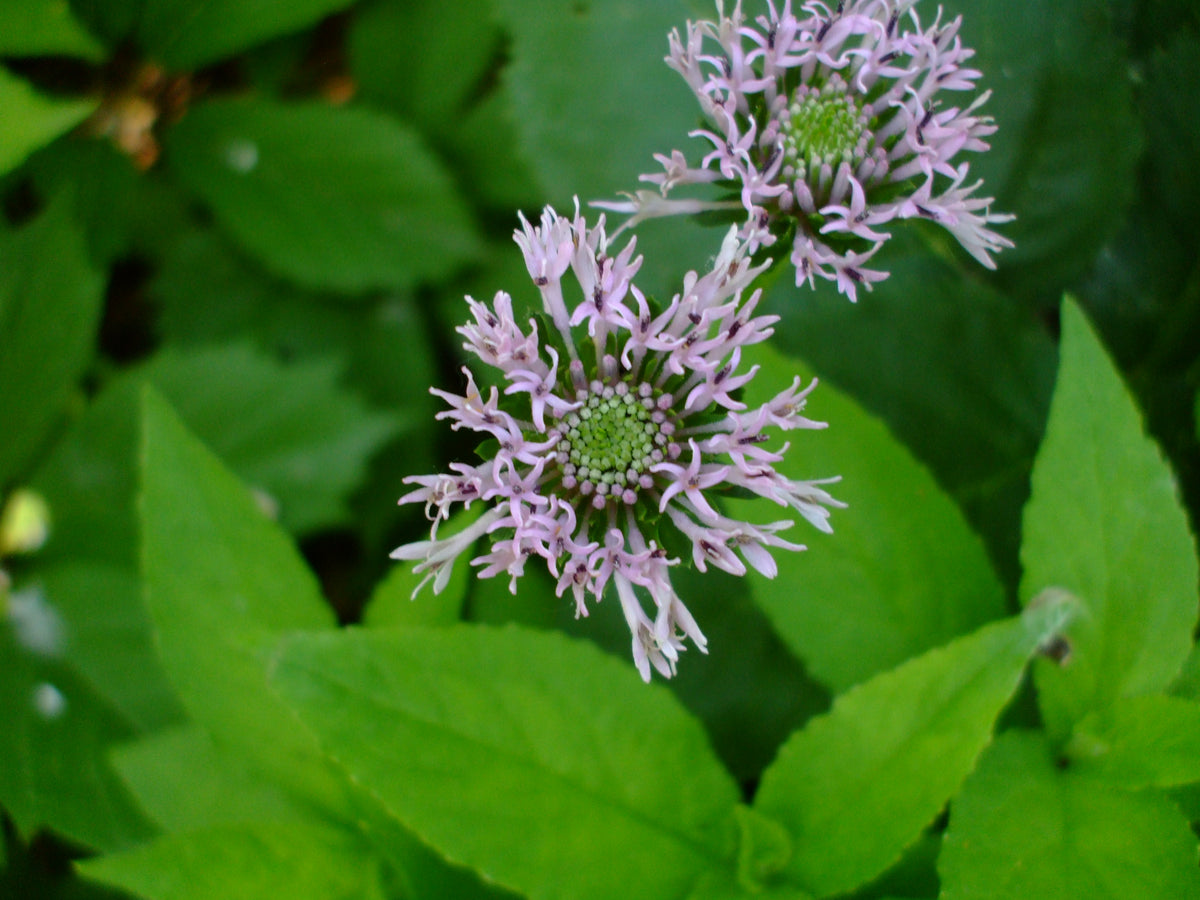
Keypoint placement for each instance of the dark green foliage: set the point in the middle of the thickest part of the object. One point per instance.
(235, 239)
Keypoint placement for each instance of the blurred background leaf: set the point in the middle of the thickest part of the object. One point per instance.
(49, 310)
(33, 119)
(343, 199)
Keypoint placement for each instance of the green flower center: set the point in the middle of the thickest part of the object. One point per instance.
(609, 444)
(822, 127)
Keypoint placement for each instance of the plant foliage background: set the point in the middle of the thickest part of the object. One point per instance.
(234, 243)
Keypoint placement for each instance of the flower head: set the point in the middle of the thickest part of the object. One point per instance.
(616, 421)
(829, 125)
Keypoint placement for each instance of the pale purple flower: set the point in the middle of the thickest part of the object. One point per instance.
(620, 423)
(830, 125)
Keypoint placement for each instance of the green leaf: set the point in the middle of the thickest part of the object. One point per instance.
(590, 135)
(260, 861)
(345, 199)
(536, 760)
(1172, 128)
(974, 416)
(1139, 742)
(394, 603)
(32, 120)
(53, 743)
(298, 437)
(44, 28)
(857, 785)
(222, 583)
(421, 62)
(1104, 522)
(290, 431)
(902, 571)
(1023, 827)
(123, 212)
(49, 308)
(750, 691)
(1065, 154)
(187, 34)
(109, 639)
(1187, 685)
(189, 783)
(569, 117)
(185, 781)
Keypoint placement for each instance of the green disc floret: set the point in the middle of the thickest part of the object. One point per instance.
(609, 444)
(822, 127)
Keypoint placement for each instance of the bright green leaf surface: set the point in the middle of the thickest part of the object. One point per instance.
(186, 34)
(264, 861)
(902, 571)
(534, 759)
(49, 308)
(291, 431)
(52, 744)
(1104, 522)
(1024, 828)
(44, 28)
(222, 582)
(857, 785)
(186, 782)
(346, 199)
(721, 886)
(1140, 741)
(32, 120)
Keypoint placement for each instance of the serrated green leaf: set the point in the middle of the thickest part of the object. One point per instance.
(534, 759)
(856, 786)
(345, 199)
(901, 573)
(1104, 522)
(32, 120)
(50, 301)
(222, 583)
(1140, 741)
(44, 28)
(300, 439)
(261, 861)
(53, 743)
(187, 34)
(1023, 827)
(189, 783)
(973, 414)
